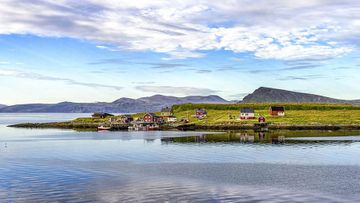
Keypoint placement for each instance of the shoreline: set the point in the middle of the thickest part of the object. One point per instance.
(189, 127)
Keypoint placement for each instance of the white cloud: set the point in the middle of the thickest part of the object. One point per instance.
(176, 90)
(4, 63)
(269, 29)
(36, 76)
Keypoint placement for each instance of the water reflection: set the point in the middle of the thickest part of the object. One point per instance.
(277, 166)
(274, 137)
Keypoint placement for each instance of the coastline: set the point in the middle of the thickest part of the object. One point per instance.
(185, 127)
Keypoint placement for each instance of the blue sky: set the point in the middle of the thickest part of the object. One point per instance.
(100, 51)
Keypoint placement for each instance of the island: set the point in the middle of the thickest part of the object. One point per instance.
(272, 116)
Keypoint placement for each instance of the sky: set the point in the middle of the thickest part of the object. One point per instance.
(89, 51)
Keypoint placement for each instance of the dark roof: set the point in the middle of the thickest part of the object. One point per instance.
(277, 108)
(201, 110)
(247, 110)
(166, 109)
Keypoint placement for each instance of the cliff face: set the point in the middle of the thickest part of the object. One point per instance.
(265, 94)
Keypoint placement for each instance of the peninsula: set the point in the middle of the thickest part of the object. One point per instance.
(290, 116)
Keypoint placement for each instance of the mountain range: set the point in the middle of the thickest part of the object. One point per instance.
(122, 105)
(156, 102)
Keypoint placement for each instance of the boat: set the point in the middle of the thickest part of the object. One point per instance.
(153, 127)
(101, 128)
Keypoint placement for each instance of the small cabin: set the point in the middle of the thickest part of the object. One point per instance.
(149, 118)
(152, 118)
(200, 113)
(247, 113)
(101, 115)
(277, 111)
(166, 111)
(169, 119)
(126, 119)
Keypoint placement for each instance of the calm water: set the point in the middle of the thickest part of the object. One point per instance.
(67, 166)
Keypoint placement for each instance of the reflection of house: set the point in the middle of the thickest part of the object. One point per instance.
(200, 113)
(152, 118)
(277, 111)
(247, 113)
(101, 115)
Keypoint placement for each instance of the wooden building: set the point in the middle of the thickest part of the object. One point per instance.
(166, 111)
(169, 119)
(126, 119)
(277, 111)
(152, 118)
(200, 113)
(247, 113)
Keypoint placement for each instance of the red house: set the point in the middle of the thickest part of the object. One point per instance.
(261, 119)
(152, 118)
(277, 111)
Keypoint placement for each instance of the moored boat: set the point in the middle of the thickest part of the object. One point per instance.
(101, 128)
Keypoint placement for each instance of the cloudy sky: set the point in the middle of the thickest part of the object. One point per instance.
(90, 50)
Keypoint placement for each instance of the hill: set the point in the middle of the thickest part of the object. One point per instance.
(265, 94)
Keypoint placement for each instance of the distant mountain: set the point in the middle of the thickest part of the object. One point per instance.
(265, 94)
(156, 102)
(122, 105)
(2, 106)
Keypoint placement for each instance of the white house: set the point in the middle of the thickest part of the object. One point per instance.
(247, 113)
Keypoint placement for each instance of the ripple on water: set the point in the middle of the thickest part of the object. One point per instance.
(45, 181)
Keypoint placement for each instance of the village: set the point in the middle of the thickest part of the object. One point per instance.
(153, 121)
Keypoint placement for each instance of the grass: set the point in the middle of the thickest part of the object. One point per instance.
(295, 113)
(308, 113)
(265, 106)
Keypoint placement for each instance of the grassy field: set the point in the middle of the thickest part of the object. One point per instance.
(294, 114)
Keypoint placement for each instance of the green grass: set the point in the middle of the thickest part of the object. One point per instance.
(265, 106)
(294, 113)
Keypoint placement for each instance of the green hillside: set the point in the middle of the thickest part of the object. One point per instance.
(295, 113)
